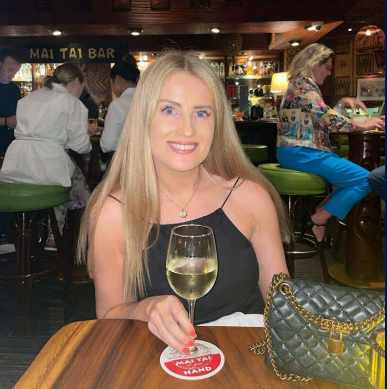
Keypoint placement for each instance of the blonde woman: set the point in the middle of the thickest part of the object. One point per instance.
(304, 122)
(180, 161)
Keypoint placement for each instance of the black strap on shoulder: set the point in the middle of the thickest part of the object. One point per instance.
(233, 187)
(115, 198)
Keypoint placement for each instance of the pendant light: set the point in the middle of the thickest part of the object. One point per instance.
(369, 38)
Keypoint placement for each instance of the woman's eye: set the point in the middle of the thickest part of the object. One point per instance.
(168, 110)
(203, 113)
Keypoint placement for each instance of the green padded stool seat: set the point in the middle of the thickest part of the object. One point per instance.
(295, 186)
(256, 153)
(28, 197)
(293, 182)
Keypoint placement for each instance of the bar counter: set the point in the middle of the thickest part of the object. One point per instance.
(260, 132)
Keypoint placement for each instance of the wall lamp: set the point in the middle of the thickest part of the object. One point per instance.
(295, 43)
(56, 32)
(135, 31)
(315, 26)
(215, 30)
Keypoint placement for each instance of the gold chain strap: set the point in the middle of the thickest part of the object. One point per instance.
(258, 348)
(286, 290)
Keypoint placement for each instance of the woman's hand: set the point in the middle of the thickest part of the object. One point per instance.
(353, 103)
(371, 124)
(168, 320)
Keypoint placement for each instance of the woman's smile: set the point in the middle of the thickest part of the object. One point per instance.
(183, 146)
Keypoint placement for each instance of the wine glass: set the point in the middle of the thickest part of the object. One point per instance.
(192, 268)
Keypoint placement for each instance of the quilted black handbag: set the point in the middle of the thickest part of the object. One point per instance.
(320, 331)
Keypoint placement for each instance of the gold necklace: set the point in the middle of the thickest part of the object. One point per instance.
(183, 213)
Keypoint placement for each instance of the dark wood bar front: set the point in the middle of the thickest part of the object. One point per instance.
(364, 264)
(262, 132)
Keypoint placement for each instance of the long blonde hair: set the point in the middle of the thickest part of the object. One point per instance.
(132, 170)
(307, 59)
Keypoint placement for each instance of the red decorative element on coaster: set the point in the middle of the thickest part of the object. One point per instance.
(193, 367)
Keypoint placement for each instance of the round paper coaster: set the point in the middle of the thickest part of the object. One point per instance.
(193, 368)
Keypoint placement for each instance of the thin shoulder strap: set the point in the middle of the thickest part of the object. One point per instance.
(225, 201)
(115, 198)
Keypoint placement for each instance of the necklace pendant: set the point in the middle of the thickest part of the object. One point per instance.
(183, 213)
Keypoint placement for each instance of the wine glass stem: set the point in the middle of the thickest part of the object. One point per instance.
(191, 315)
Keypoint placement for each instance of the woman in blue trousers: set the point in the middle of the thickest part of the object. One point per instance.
(303, 142)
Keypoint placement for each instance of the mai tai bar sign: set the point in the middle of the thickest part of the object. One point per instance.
(73, 52)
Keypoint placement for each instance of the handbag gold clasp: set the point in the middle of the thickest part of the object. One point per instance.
(335, 344)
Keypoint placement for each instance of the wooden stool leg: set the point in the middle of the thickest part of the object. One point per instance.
(60, 244)
(23, 223)
(323, 262)
(22, 289)
(291, 246)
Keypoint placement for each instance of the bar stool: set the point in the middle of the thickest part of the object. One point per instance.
(23, 201)
(296, 186)
(256, 153)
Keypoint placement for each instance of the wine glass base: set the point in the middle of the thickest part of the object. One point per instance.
(201, 349)
(205, 362)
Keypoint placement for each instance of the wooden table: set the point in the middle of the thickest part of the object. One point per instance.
(364, 265)
(119, 354)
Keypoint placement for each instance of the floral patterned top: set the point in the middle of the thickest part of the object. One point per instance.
(305, 120)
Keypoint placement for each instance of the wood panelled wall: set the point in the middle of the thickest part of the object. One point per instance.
(19, 12)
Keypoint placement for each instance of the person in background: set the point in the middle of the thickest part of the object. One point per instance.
(10, 63)
(304, 122)
(124, 76)
(179, 151)
(49, 121)
(83, 160)
(377, 180)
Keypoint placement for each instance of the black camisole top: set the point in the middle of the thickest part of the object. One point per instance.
(236, 288)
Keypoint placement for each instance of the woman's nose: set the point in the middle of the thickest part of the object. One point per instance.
(186, 126)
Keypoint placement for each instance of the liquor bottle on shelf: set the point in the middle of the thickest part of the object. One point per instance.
(221, 70)
(216, 68)
(249, 68)
(231, 71)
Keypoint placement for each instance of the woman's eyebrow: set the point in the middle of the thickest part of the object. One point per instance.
(204, 106)
(169, 101)
(179, 105)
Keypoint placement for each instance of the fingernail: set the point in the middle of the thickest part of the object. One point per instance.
(191, 343)
(193, 334)
(186, 350)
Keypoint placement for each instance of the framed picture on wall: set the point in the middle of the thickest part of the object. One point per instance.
(121, 5)
(371, 89)
(160, 4)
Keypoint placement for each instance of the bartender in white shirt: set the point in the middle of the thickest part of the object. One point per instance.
(124, 76)
(49, 121)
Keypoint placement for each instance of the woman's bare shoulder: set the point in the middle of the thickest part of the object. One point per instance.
(110, 214)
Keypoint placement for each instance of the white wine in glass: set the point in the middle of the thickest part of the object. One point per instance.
(192, 267)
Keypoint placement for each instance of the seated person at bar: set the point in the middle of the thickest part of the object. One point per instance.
(49, 121)
(377, 180)
(304, 122)
(124, 77)
(179, 151)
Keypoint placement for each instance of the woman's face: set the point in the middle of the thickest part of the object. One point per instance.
(182, 128)
(321, 72)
